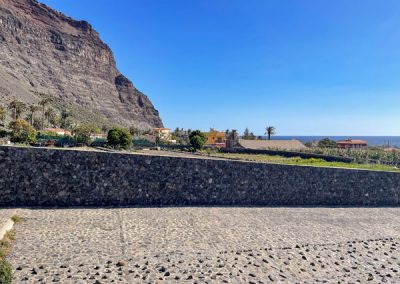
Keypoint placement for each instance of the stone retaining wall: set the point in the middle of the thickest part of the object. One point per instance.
(43, 177)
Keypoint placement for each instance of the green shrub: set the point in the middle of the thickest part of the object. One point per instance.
(66, 139)
(48, 135)
(22, 132)
(16, 219)
(84, 131)
(5, 272)
(327, 143)
(197, 139)
(314, 160)
(4, 244)
(3, 133)
(119, 138)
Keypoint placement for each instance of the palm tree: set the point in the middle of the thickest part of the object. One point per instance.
(64, 121)
(51, 116)
(3, 114)
(13, 107)
(33, 109)
(17, 107)
(270, 130)
(44, 103)
(21, 108)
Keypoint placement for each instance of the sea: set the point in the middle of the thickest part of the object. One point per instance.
(392, 141)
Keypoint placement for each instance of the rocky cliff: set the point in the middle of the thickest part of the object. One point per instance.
(45, 53)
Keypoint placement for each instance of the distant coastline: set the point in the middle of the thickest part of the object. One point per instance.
(392, 141)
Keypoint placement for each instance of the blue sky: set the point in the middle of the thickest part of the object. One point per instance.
(307, 67)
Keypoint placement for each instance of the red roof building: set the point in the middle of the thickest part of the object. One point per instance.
(59, 131)
(352, 144)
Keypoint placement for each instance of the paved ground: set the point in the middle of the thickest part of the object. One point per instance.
(6, 214)
(5, 221)
(208, 245)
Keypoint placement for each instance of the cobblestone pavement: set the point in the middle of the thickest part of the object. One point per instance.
(6, 214)
(208, 245)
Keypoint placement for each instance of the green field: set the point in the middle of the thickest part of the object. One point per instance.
(302, 162)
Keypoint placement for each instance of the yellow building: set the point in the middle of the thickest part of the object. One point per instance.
(216, 138)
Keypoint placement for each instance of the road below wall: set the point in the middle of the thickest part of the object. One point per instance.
(192, 245)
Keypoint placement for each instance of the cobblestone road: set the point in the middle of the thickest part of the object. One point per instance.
(208, 245)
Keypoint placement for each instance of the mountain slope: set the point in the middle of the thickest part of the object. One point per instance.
(45, 53)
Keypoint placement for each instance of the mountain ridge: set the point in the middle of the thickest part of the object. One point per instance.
(44, 52)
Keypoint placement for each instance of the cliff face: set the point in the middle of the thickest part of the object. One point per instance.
(45, 53)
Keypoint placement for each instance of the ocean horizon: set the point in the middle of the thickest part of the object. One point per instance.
(392, 141)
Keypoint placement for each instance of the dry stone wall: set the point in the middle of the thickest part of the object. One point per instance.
(44, 177)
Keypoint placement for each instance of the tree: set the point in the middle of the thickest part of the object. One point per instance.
(13, 106)
(247, 135)
(134, 131)
(119, 138)
(197, 139)
(44, 103)
(105, 128)
(177, 133)
(22, 132)
(65, 123)
(270, 130)
(18, 108)
(52, 117)
(3, 115)
(326, 143)
(84, 132)
(232, 139)
(32, 110)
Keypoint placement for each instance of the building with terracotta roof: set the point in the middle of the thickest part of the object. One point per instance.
(352, 144)
(58, 131)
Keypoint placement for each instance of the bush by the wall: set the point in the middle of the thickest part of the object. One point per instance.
(5, 272)
(197, 139)
(3, 133)
(22, 132)
(119, 138)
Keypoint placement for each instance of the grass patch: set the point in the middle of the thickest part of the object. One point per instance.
(5, 267)
(303, 162)
(16, 219)
(6, 242)
(5, 272)
(10, 235)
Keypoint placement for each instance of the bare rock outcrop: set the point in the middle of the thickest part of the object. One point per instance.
(45, 53)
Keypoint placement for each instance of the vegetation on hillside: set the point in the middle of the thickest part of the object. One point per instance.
(22, 132)
(3, 115)
(84, 131)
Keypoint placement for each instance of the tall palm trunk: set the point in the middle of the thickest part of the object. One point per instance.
(43, 114)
